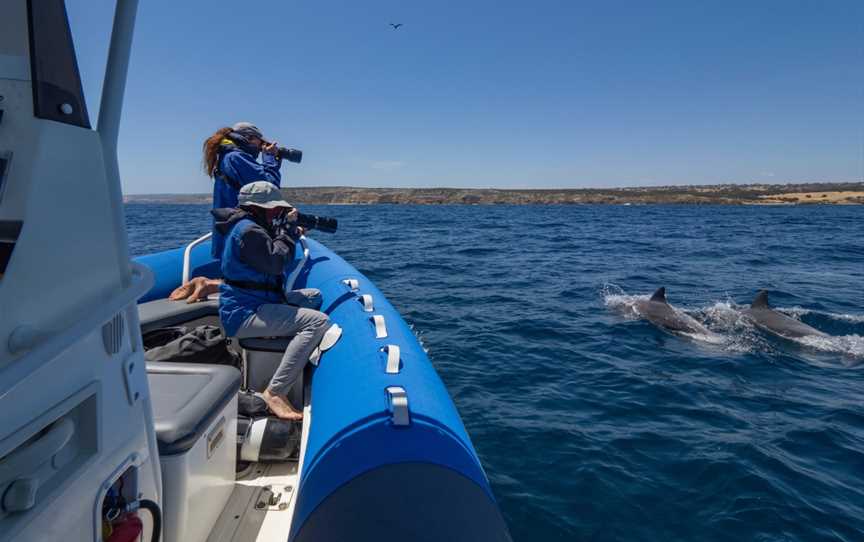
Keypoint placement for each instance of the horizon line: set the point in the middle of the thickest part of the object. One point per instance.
(546, 189)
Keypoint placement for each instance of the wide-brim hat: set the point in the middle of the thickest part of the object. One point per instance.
(261, 194)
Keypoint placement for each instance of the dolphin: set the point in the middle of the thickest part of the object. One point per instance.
(659, 312)
(763, 316)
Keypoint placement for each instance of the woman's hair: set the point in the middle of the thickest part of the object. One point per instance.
(211, 149)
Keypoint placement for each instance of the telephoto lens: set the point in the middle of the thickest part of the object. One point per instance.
(320, 223)
(292, 155)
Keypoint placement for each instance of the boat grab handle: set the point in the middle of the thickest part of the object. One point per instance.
(393, 358)
(380, 327)
(30, 457)
(398, 399)
(366, 301)
(352, 284)
(187, 255)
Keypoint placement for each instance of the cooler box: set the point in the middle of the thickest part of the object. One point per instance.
(195, 417)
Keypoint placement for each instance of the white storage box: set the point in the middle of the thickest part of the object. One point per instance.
(195, 416)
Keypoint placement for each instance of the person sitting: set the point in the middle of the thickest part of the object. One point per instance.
(259, 241)
(231, 158)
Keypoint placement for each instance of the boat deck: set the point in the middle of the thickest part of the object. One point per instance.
(262, 504)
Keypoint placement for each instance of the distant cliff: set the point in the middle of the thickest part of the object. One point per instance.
(730, 194)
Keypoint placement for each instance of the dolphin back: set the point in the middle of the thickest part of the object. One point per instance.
(760, 301)
(659, 312)
(660, 295)
(776, 322)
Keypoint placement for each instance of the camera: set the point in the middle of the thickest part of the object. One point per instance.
(308, 222)
(292, 155)
(314, 222)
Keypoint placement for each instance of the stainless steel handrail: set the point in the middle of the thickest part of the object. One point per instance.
(292, 278)
(187, 255)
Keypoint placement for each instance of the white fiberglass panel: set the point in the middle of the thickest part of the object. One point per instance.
(65, 262)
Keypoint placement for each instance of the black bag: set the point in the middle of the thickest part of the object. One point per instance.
(251, 405)
(162, 336)
(203, 344)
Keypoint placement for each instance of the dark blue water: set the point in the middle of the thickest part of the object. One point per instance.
(591, 423)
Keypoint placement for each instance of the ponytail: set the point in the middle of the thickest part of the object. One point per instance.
(211, 149)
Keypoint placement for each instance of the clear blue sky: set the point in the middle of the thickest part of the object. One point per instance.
(493, 93)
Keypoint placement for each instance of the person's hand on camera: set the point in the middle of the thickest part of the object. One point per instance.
(291, 216)
(270, 148)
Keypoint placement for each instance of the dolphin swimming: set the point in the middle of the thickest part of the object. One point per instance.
(763, 316)
(659, 312)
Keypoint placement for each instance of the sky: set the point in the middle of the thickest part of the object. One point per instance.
(476, 93)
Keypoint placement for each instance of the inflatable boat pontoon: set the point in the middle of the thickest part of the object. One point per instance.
(383, 448)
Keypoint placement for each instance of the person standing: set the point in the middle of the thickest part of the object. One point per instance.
(231, 159)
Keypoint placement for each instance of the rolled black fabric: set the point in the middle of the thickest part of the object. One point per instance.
(281, 440)
(270, 440)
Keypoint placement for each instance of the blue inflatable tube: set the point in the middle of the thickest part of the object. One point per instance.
(370, 458)
(167, 269)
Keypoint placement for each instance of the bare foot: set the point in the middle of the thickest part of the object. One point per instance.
(280, 406)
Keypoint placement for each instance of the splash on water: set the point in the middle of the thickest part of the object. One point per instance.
(710, 338)
(419, 336)
(850, 347)
(725, 318)
(730, 328)
(798, 312)
(616, 299)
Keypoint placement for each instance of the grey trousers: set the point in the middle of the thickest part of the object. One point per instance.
(298, 320)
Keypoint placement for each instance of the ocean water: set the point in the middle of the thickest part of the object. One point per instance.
(593, 424)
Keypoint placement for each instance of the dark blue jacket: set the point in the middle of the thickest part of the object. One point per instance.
(253, 263)
(238, 166)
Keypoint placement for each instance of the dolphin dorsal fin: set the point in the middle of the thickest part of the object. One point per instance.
(760, 301)
(659, 295)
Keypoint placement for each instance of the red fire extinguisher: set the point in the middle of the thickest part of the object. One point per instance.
(128, 529)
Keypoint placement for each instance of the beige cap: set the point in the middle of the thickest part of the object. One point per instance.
(261, 194)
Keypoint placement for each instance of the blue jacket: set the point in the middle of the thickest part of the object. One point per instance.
(253, 263)
(238, 166)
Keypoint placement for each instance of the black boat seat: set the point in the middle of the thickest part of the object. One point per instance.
(164, 312)
(265, 344)
(261, 357)
(187, 398)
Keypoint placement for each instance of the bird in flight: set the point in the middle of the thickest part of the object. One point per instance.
(395, 25)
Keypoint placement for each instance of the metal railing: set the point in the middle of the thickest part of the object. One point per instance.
(187, 255)
(292, 278)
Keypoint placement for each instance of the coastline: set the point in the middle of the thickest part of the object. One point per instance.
(752, 194)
